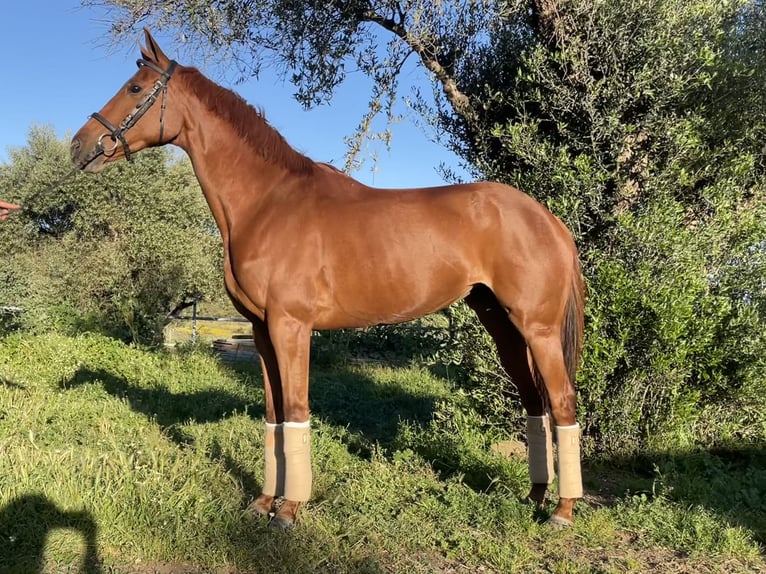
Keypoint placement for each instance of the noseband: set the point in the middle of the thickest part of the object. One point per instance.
(118, 133)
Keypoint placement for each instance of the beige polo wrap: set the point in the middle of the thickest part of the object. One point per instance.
(540, 449)
(570, 476)
(297, 452)
(273, 461)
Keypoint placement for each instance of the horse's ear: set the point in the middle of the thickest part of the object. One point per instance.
(152, 51)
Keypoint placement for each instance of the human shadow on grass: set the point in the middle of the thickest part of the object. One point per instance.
(25, 524)
(27, 521)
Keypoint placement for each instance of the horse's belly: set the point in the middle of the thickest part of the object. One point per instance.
(372, 299)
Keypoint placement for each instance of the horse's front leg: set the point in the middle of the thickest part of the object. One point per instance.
(291, 339)
(273, 448)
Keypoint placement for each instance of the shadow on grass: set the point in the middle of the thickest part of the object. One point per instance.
(27, 521)
(342, 397)
(168, 408)
(730, 483)
(302, 550)
(171, 410)
(11, 385)
(347, 398)
(25, 524)
(254, 546)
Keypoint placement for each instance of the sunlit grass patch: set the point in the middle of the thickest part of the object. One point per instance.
(181, 331)
(150, 457)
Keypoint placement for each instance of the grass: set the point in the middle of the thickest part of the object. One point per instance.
(117, 459)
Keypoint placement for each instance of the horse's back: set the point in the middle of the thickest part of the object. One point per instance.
(388, 255)
(480, 224)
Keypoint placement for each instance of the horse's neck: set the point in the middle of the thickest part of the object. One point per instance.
(232, 177)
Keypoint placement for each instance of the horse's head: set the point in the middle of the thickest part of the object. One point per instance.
(135, 118)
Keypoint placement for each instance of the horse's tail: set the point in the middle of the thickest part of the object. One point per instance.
(572, 329)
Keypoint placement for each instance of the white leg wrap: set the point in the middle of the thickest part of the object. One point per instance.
(540, 449)
(297, 451)
(274, 461)
(570, 477)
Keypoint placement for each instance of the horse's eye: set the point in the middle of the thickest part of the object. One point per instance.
(134, 89)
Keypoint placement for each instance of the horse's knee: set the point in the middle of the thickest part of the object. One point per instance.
(563, 404)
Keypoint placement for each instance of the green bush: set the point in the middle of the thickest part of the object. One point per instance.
(113, 253)
(640, 124)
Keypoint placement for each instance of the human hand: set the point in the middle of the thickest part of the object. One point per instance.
(6, 209)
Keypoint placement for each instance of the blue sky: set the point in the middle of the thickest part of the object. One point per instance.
(58, 68)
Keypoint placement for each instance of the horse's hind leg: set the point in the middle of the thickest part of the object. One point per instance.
(545, 344)
(516, 361)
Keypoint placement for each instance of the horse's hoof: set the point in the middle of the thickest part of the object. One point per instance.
(261, 506)
(557, 521)
(286, 516)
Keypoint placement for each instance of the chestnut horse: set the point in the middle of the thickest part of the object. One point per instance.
(307, 247)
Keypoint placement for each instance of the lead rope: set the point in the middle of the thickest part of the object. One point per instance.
(97, 150)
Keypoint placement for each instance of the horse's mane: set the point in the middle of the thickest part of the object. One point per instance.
(249, 123)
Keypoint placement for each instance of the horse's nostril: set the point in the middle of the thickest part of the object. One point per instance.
(74, 147)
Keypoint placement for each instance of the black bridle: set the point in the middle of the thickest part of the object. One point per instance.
(118, 133)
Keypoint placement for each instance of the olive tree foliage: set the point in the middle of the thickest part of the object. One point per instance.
(316, 44)
(116, 252)
(640, 123)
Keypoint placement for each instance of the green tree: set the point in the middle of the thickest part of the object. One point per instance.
(640, 123)
(118, 252)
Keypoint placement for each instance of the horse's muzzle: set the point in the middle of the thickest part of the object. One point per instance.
(85, 158)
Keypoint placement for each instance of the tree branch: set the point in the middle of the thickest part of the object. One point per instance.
(459, 101)
(185, 304)
(428, 56)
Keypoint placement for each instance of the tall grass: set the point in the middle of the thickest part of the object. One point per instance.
(145, 461)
